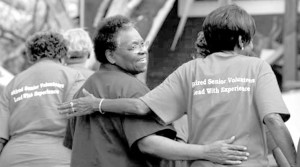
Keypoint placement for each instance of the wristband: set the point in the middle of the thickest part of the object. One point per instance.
(100, 104)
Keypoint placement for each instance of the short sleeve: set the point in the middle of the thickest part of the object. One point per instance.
(4, 114)
(267, 95)
(181, 127)
(75, 86)
(169, 99)
(137, 127)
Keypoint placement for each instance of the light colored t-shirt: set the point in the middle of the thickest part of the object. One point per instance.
(29, 118)
(223, 95)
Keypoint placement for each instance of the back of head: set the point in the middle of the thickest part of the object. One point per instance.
(80, 45)
(49, 45)
(105, 38)
(223, 26)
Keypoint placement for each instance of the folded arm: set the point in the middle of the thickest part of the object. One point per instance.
(282, 136)
(222, 152)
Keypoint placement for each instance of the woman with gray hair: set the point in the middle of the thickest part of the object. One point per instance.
(31, 129)
(81, 49)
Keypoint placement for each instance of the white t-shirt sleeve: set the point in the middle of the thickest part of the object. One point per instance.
(169, 99)
(267, 95)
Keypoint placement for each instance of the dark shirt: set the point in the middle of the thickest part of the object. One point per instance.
(109, 140)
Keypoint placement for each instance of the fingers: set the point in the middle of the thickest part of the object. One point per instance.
(65, 105)
(68, 113)
(230, 162)
(240, 153)
(230, 140)
(238, 157)
(237, 147)
(64, 111)
(234, 147)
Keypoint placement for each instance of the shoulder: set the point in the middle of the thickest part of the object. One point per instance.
(118, 83)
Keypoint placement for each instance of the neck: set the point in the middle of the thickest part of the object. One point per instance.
(48, 59)
(113, 67)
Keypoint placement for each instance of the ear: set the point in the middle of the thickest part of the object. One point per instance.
(110, 56)
(241, 43)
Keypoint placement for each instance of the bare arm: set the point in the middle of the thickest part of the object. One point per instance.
(276, 151)
(222, 152)
(125, 106)
(89, 104)
(282, 136)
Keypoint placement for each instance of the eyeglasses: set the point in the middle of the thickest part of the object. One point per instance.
(136, 47)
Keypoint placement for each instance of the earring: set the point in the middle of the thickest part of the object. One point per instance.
(242, 47)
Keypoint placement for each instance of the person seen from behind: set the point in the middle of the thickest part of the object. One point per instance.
(80, 49)
(31, 129)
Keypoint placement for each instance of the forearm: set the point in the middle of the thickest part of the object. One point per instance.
(281, 136)
(221, 152)
(123, 106)
(276, 151)
(169, 149)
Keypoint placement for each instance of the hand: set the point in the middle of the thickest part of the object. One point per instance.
(78, 107)
(224, 152)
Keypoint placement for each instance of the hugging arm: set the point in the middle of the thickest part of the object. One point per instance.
(89, 104)
(222, 152)
(282, 136)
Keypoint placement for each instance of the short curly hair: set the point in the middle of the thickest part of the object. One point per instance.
(105, 38)
(46, 45)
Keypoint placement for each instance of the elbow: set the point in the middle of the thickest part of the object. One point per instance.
(140, 107)
(273, 120)
(146, 146)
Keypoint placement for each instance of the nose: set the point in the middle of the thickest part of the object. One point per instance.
(143, 49)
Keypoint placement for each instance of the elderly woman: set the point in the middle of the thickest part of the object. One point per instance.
(31, 129)
(114, 140)
(80, 50)
(224, 94)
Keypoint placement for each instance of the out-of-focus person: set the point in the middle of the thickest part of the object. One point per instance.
(80, 49)
(31, 129)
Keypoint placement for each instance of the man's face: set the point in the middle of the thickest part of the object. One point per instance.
(131, 54)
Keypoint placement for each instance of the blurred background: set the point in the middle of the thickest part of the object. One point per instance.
(171, 27)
